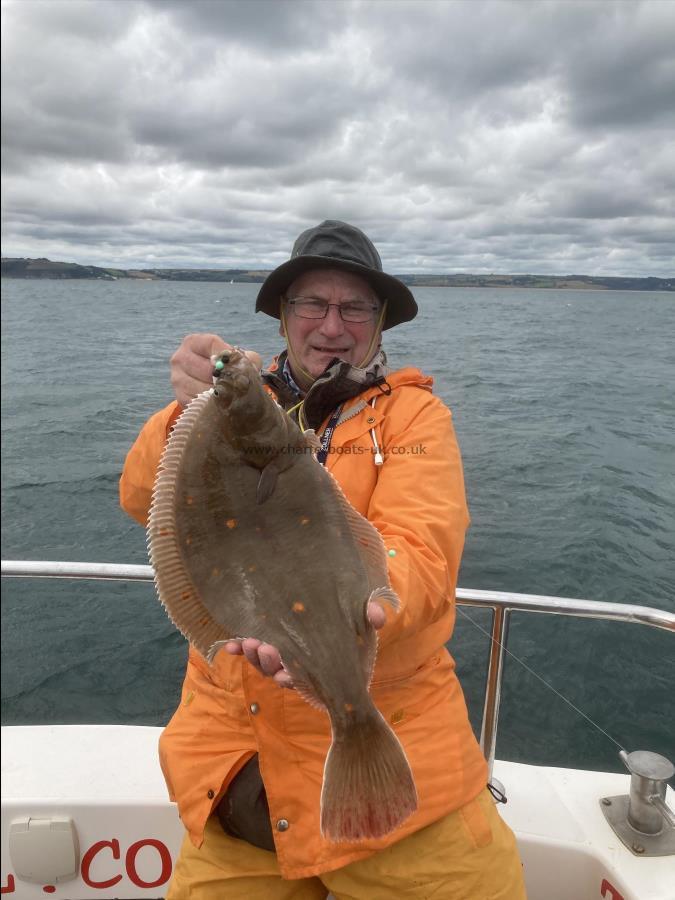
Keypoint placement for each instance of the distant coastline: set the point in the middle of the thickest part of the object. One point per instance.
(46, 268)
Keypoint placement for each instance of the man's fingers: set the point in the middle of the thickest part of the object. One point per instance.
(376, 615)
(250, 649)
(217, 345)
(191, 387)
(283, 679)
(191, 367)
(192, 364)
(270, 661)
(263, 657)
(255, 358)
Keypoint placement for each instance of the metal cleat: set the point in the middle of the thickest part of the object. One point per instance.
(642, 819)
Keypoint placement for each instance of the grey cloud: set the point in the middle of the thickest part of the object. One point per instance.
(202, 102)
(591, 202)
(490, 136)
(247, 117)
(469, 57)
(70, 20)
(612, 61)
(623, 72)
(284, 26)
(38, 134)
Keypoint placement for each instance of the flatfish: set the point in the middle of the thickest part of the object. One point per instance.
(250, 536)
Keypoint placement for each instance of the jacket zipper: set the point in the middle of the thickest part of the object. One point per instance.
(378, 457)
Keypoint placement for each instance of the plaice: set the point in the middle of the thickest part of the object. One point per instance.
(250, 536)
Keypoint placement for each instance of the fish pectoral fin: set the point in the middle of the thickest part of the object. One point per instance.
(386, 595)
(267, 483)
(268, 478)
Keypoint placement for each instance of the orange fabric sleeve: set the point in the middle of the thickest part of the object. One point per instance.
(419, 507)
(140, 466)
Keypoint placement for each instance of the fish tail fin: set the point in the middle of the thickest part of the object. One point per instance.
(368, 788)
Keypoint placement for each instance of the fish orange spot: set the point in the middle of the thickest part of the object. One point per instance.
(204, 621)
(165, 532)
(304, 520)
(359, 640)
(189, 500)
(349, 707)
(186, 595)
(231, 523)
(215, 572)
(298, 607)
(188, 540)
(364, 542)
(251, 569)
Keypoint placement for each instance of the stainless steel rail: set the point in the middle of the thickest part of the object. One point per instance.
(93, 571)
(501, 603)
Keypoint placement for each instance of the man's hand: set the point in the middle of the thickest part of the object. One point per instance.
(265, 658)
(192, 365)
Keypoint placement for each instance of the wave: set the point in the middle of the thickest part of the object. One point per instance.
(93, 482)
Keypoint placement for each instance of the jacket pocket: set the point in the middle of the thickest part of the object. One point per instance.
(407, 695)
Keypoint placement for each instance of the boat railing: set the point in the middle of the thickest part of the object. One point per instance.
(502, 604)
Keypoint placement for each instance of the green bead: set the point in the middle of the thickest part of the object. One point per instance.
(220, 365)
(392, 553)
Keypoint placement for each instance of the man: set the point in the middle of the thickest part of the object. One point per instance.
(244, 759)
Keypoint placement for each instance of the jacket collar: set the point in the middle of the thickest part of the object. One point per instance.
(338, 383)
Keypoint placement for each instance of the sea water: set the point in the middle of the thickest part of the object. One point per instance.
(564, 407)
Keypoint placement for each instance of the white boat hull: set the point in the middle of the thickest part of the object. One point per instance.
(106, 778)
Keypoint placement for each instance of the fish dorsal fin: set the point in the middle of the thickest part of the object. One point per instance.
(173, 451)
(371, 549)
(213, 650)
(175, 589)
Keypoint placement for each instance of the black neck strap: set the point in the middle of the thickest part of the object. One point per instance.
(322, 454)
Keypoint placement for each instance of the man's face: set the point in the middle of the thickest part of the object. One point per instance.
(316, 341)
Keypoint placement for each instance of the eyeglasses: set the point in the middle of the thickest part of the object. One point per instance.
(354, 311)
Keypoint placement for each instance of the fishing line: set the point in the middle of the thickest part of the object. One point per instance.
(539, 677)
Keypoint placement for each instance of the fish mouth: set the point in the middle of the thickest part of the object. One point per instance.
(233, 381)
(230, 370)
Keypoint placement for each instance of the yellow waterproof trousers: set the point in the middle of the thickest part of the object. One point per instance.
(469, 855)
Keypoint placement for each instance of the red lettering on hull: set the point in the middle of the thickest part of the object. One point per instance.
(613, 893)
(130, 866)
(164, 855)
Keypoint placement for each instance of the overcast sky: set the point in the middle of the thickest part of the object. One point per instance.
(462, 136)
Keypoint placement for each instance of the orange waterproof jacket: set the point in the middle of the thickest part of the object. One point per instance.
(229, 711)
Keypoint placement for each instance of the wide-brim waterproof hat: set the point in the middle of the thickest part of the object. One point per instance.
(336, 245)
